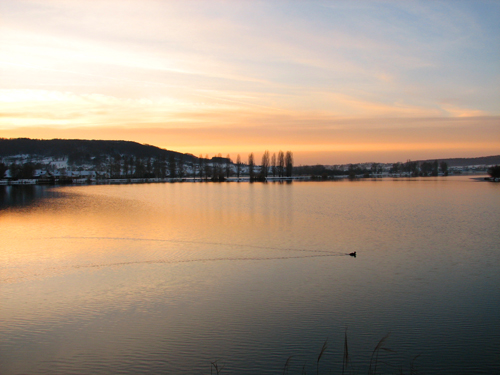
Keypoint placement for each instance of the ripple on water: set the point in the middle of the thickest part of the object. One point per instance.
(167, 278)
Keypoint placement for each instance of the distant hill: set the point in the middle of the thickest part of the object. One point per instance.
(463, 162)
(83, 149)
(80, 149)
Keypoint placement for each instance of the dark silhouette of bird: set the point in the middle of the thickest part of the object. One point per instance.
(353, 254)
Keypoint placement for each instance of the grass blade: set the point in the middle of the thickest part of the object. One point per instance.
(325, 345)
(375, 356)
(345, 359)
(287, 363)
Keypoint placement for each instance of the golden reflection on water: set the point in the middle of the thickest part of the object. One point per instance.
(95, 226)
(80, 225)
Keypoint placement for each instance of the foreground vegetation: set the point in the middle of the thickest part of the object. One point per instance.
(380, 362)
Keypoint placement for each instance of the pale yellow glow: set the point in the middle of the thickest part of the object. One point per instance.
(241, 77)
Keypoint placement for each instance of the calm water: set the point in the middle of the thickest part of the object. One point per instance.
(165, 278)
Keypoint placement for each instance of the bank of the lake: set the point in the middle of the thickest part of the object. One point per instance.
(107, 181)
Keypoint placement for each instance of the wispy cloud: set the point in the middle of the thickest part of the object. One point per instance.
(302, 67)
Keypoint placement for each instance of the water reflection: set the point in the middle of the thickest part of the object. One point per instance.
(164, 278)
(19, 196)
(14, 196)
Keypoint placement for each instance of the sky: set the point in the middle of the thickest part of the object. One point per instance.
(332, 81)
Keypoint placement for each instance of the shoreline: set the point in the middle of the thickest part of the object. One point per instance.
(129, 181)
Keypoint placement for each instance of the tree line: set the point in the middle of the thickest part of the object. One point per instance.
(412, 168)
(422, 169)
(128, 159)
(173, 165)
(134, 160)
(219, 168)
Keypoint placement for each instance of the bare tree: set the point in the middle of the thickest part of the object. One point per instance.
(273, 164)
(116, 166)
(281, 164)
(139, 168)
(444, 167)
(238, 166)
(200, 165)
(163, 166)
(126, 166)
(157, 167)
(181, 167)
(149, 167)
(215, 170)
(220, 164)
(251, 165)
(289, 163)
(194, 168)
(435, 168)
(228, 163)
(172, 166)
(218, 171)
(265, 165)
(207, 167)
(397, 167)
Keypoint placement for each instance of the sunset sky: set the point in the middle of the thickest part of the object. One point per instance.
(332, 81)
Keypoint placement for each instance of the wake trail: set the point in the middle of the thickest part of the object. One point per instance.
(198, 243)
(313, 254)
(163, 261)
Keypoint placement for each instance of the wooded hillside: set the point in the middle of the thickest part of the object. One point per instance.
(77, 149)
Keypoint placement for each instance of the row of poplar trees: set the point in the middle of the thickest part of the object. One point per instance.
(279, 166)
(219, 168)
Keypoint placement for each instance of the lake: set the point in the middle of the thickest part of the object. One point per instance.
(167, 278)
